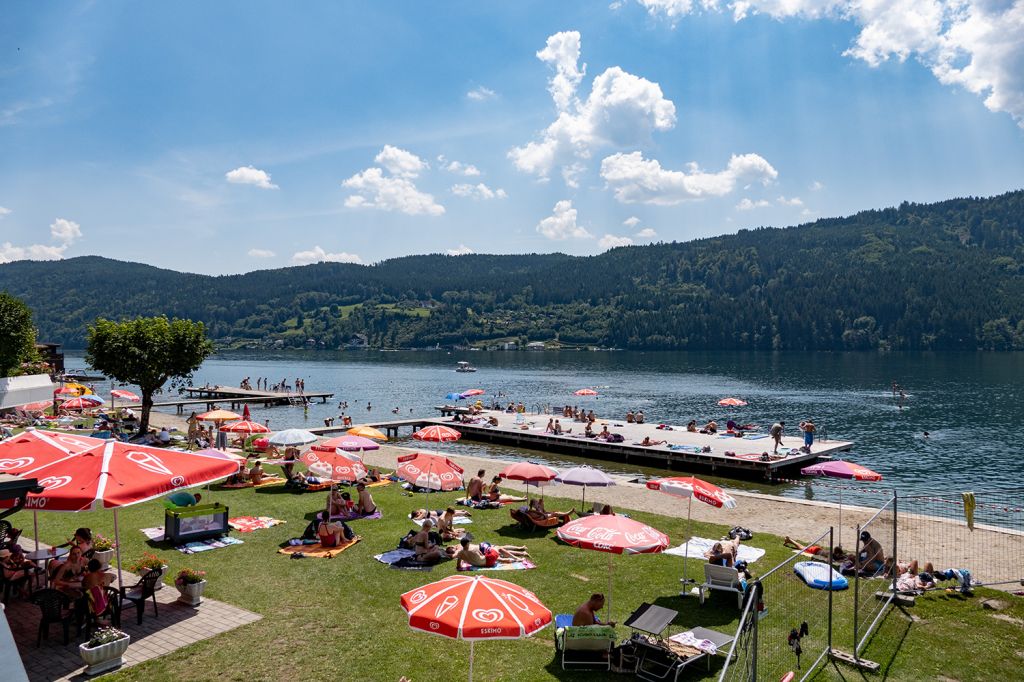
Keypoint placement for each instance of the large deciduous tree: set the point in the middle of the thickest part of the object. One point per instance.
(148, 352)
(17, 335)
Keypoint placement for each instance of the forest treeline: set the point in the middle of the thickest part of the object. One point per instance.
(942, 276)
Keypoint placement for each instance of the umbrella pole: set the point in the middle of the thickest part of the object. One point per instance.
(840, 516)
(686, 545)
(583, 503)
(35, 526)
(472, 646)
(610, 557)
(117, 549)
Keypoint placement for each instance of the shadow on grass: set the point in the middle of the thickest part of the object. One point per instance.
(714, 614)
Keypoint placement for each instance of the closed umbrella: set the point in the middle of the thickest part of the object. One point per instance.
(841, 469)
(692, 487)
(475, 608)
(615, 535)
(585, 476)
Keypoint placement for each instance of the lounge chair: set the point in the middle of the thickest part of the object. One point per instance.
(586, 646)
(527, 521)
(723, 578)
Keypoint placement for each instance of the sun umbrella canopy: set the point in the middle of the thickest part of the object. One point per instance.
(67, 390)
(585, 391)
(218, 416)
(685, 486)
(367, 432)
(346, 443)
(472, 392)
(32, 449)
(125, 395)
(433, 472)
(342, 466)
(614, 534)
(529, 472)
(293, 437)
(37, 406)
(842, 469)
(78, 404)
(732, 402)
(437, 434)
(585, 476)
(474, 608)
(107, 474)
(454, 396)
(245, 427)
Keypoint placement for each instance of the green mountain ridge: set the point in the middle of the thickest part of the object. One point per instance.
(943, 276)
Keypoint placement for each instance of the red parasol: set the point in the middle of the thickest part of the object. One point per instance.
(615, 535)
(732, 402)
(346, 443)
(245, 427)
(437, 434)
(343, 467)
(245, 412)
(432, 472)
(841, 469)
(475, 608)
(528, 472)
(585, 391)
(125, 395)
(79, 404)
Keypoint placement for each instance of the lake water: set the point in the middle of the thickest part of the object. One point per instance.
(970, 403)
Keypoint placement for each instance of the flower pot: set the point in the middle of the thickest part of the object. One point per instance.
(103, 556)
(105, 656)
(191, 593)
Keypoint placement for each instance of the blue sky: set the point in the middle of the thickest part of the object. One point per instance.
(233, 136)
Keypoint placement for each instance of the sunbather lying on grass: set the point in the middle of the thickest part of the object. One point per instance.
(838, 554)
(486, 555)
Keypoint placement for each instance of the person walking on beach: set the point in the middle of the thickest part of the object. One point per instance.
(776, 433)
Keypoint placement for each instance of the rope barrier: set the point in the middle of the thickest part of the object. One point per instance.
(958, 501)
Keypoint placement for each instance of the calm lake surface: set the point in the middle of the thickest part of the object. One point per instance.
(970, 403)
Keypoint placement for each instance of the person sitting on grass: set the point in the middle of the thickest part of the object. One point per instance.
(607, 510)
(586, 614)
(446, 524)
(256, 473)
(723, 553)
(365, 506)
(333, 533)
(427, 550)
(494, 493)
(291, 456)
(872, 558)
(486, 555)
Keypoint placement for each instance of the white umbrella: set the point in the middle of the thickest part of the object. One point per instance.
(293, 437)
(585, 476)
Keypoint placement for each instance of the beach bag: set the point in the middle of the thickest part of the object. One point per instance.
(740, 532)
(347, 532)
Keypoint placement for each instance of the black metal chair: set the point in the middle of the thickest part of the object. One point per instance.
(7, 535)
(138, 593)
(55, 607)
(111, 612)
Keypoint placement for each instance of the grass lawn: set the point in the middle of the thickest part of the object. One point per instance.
(340, 618)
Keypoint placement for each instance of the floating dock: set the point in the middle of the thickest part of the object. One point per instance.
(211, 395)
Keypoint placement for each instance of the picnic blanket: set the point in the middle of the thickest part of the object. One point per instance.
(356, 517)
(696, 548)
(206, 545)
(457, 521)
(318, 551)
(154, 533)
(403, 559)
(523, 565)
(247, 524)
(267, 480)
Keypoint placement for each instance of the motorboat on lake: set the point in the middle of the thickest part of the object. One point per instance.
(464, 367)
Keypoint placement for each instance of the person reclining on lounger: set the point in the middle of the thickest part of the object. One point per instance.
(586, 614)
(539, 513)
(486, 555)
(723, 553)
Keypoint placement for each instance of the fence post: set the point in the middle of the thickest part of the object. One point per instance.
(831, 548)
(856, 594)
(758, 596)
(895, 537)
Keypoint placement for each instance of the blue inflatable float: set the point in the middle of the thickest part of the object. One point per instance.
(816, 574)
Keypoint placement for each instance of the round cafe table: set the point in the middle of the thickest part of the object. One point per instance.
(44, 557)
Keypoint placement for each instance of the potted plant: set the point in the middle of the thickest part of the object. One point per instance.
(149, 562)
(104, 650)
(190, 584)
(103, 550)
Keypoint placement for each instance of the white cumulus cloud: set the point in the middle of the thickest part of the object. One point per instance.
(261, 253)
(318, 255)
(480, 93)
(792, 201)
(401, 163)
(646, 233)
(247, 175)
(748, 205)
(372, 188)
(621, 110)
(975, 44)
(561, 224)
(460, 250)
(478, 191)
(816, 186)
(457, 167)
(634, 179)
(65, 231)
(631, 222)
(62, 231)
(610, 241)
(4, 211)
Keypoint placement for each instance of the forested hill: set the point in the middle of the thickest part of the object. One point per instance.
(939, 276)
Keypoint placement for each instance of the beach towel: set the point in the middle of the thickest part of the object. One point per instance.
(378, 484)
(756, 456)
(402, 559)
(696, 548)
(318, 487)
(318, 551)
(247, 524)
(267, 480)
(154, 533)
(206, 545)
(355, 517)
(457, 521)
(696, 449)
(523, 565)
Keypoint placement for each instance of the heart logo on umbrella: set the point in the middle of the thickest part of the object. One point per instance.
(487, 615)
(54, 482)
(20, 463)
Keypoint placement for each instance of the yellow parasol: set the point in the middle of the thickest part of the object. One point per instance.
(367, 432)
(218, 416)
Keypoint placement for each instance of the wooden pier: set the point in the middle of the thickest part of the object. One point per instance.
(213, 395)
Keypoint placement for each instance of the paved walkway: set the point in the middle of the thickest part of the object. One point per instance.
(177, 626)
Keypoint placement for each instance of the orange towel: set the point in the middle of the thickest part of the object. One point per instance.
(318, 550)
(378, 484)
(267, 480)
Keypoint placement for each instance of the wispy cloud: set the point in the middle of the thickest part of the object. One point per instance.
(318, 255)
(478, 191)
(261, 253)
(480, 94)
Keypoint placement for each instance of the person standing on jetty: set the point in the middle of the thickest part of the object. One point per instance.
(808, 428)
(776, 433)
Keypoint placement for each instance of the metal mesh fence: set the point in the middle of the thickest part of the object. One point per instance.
(979, 532)
(786, 625)
(873, 583)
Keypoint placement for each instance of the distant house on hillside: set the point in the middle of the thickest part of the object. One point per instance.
(535, 345)
(51, 355)
(357, 341)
